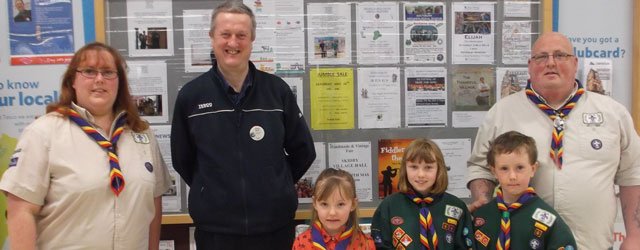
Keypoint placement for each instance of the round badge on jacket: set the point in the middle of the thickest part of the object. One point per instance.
(148, 166)
(256, 133)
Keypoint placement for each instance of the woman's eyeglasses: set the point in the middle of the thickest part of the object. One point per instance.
(93, 73)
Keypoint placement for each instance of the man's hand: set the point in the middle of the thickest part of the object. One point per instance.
(481, 193)
(630, 244)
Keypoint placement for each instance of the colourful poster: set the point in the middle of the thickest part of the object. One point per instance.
(390, 152)
(332, 98)
(40, 32)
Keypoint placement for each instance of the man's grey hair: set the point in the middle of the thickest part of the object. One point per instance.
(236, 7)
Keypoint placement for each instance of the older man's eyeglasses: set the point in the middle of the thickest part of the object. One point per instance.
(93, 73)
(558, 56)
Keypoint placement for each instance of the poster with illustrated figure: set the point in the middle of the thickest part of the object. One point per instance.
(150, 28)
(390, 152)
(377, 33)
(40, 32)
(425, 32)
(378, 97)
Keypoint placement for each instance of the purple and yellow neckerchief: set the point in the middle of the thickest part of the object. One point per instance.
(504, 238)
(426, 221)
(115, 175)
(318, 241)
(558, 117)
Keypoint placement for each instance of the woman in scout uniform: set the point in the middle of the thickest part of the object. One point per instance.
(517, 218)
(422, 215)
(88, 174)
(334, 216)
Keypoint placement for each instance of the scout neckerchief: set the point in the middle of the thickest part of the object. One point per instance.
(115, 175)
(426, 221)
(504, 238)
(318, 241)
(557, 117)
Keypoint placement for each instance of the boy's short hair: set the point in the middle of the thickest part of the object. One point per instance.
(510, 142)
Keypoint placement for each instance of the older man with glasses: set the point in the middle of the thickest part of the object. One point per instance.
(591, 142)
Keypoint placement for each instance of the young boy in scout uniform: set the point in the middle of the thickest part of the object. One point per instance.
(517, 218)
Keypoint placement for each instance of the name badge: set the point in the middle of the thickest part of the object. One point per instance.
(595, 119)
(140, 138)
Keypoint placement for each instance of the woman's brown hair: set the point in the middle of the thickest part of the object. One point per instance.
(123, 102)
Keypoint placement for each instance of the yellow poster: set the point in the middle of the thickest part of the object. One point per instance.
(332, 98)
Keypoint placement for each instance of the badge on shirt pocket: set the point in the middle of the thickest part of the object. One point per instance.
(140, 138)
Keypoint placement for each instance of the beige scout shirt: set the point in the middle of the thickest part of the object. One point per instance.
(63, 170)
(601, 148)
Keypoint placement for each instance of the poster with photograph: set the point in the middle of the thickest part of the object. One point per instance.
(516, 42)
(425, 33)
(148, 83)
(473, 32)
(597, 75)
(329, 33)
(377, 31)
(304, 186)
(355, 158)
(197, 44)
(473, 88)
(378, 97)
(425, 97)
(331, 98)
(296, 85)
(473, 94)
(510, 81)
(40, 32)
(390, 152)
(172, 199)
(150, 28)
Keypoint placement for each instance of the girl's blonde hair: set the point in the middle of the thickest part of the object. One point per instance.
(428, 151)
(330, 180)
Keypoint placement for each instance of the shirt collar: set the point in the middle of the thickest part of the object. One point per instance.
(227, 87)
(328, 238)
(86, 115)
(573, 92)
